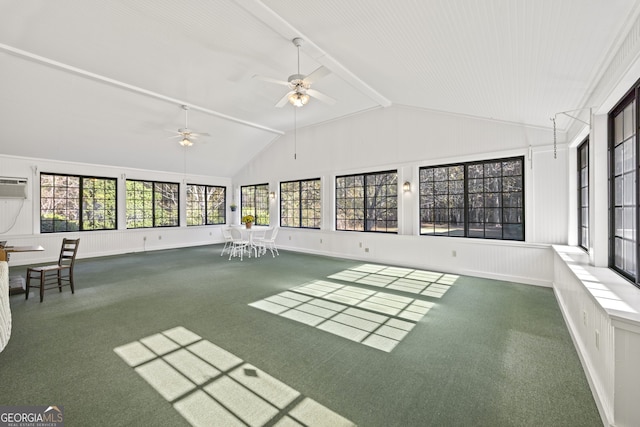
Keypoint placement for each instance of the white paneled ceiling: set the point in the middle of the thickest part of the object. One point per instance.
(102, 82)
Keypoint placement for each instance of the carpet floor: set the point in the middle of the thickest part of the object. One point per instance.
(185, 336)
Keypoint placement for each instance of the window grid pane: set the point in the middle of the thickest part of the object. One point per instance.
(442, 200)
(99, 203)
(300, 205)
(166, 206)
(152, 204)
(76, 203)
(367, 202)
(624, 187)
(479, 199)
(206, 205)
(216, 205)
(290, 204)
(310, 204)
(196, 209)
(254, 200)
(583, 195)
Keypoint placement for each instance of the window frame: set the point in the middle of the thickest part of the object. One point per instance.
(207, 207)
(583, 194)
(252, 208)
(302, 204)
(154, 202)
(469, 189)
(365, 211)
(631, 98)
(81, 201)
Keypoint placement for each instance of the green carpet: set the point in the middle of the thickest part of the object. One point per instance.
(488, 353)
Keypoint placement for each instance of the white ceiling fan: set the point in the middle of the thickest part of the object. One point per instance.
(187, 136)
(300, 85)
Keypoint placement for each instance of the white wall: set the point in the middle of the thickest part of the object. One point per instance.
(26, 213)
(406, 138)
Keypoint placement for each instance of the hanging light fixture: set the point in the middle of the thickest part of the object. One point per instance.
(186, 142)
(298, 99)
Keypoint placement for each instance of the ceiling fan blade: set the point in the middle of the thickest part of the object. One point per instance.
(284, 99)
(197, 134)
(317, 74)
(271, 80)
(321, 96)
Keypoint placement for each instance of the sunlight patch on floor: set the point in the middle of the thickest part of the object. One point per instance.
(376, 319)
(210, 386)
(421, 282)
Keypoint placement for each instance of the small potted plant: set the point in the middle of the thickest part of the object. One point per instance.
(233, 207)
(247, 220)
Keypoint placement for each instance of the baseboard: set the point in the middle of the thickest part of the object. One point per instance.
(605, 415)
(461, 271)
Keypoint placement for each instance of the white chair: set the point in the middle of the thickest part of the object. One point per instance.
(238, 244)
(269, 241)
(228, 240)
(257, 241)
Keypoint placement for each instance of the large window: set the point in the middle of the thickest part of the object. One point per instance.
(77, 203)
(367, 202)
(623, 187)
(206, 205)
(479, 199)
(300, 204)
(254, 200)
(152, 204)
(583, 194)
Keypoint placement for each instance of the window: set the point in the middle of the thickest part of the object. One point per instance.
(206, 205)
(152, 204)
(479, 199)
(623, 187)
(300, 204)
(254, 200)
(442, 209)
(583, 194)
(77, 203)
(367, 202)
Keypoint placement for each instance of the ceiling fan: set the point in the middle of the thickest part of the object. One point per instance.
(187, 136)
(300, 85)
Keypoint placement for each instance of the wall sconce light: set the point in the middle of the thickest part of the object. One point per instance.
(272, 195)
(406, 187)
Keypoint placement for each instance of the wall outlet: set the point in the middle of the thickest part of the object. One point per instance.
(210, 233)
(597, 339)
(289, 237)
(366, 249)
(584, 317)
(320, 240)
(159, 237)
(360, 244)
(454, 254)
(144, 239)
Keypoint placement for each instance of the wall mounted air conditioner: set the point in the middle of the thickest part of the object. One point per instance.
(13, 188)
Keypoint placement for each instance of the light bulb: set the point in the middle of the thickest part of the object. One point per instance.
(298, 99)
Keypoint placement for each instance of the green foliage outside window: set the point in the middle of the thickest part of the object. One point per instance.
(77, 203)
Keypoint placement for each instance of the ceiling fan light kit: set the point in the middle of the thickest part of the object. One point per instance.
(298, 99)
(185, 134)
(299, 85)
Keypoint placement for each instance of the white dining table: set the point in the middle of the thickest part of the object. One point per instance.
(248, 234)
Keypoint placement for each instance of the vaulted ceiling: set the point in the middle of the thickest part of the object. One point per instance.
(102, 82)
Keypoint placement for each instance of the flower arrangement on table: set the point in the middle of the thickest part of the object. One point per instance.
(247, 220)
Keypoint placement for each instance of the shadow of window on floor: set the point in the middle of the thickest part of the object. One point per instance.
(210, 386)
